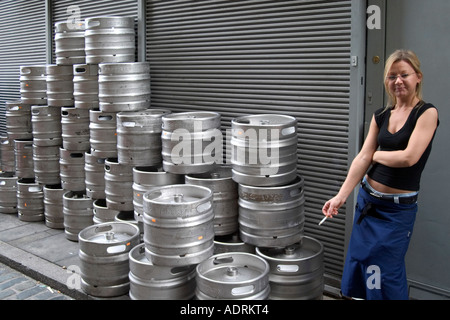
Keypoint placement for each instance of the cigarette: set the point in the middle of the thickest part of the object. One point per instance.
(323, 220)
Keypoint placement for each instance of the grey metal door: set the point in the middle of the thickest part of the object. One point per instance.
(421, 26)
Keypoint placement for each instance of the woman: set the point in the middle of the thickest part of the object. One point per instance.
(390, 165)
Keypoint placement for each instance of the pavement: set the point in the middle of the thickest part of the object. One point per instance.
(35, 258)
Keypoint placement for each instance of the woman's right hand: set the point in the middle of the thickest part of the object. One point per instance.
(331, 207)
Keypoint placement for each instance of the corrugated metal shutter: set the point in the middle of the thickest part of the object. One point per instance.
(22, 38)
(247, 57)
(89, 9)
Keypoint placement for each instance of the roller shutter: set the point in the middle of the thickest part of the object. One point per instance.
(22, 38)
(248, 57)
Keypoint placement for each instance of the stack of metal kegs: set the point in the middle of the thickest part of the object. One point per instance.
(271, 204)
(144, 191)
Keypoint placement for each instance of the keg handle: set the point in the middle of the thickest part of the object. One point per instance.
(287, 268)
(93, 23)
(204, 207)
(239, 291)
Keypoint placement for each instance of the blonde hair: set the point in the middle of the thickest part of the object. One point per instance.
(411, 58)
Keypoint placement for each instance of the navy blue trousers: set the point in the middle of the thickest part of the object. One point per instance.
(375, 262)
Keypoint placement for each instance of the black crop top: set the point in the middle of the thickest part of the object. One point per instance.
(399, 178)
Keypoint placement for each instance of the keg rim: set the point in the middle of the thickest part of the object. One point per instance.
(263, 252)
(264, 272)
(157, 191)
(292, 120)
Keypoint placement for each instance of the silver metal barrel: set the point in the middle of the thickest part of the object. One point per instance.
(191, 142)
(152, 282)
(128, 217)
(264, 149)
(178, 225)
(60, 85)
(104, 256)
(139, 137)
(225, 198)
(124, 86)
(272, 216)
(53, 206)
(71, 169)
(102, 213)
(33, 84)
(231, 243)
(109, 39)
(233, 276)
(46, 123)
(46, 164)
(94, 172)
(18, 120)
(296, 271)
(85, 86)
(23, 153)
(103, 133)
(118, 185)
(30, 200)
(75, 128)
(8, 192)
(147, 178)
(78, 214)
(7, 155)
(69, 43)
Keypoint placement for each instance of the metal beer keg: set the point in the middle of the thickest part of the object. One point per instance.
(78, 214)
(53, 206)
(147, 178)
(139, 137)
(233, 276)
(8, 192)
(71, 169)
(264, 149)
(85, 86)
(60, 85)
(46, 164)
(109, 39)
(103, 133)
(118, 185)
(18, 120)
(104, 256)
(75, 128)
(124, 86)
(69, 43)
(23, 152)
(272, 216)
(225, 197)
(178, 225)
(94, 172)
(30, 200)
(7, 155)
(191, 142)
(46, 123)
(296, 271)
(151, 282)
(33, 84)
(102, 213)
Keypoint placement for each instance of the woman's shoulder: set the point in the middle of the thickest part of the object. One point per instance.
(425, 107)
(380, 115)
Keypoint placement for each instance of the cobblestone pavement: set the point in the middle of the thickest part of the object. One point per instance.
(17, 286)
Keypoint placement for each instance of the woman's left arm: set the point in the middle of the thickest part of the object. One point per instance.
(418, 143)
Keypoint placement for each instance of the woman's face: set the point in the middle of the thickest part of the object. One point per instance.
(402, 80)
